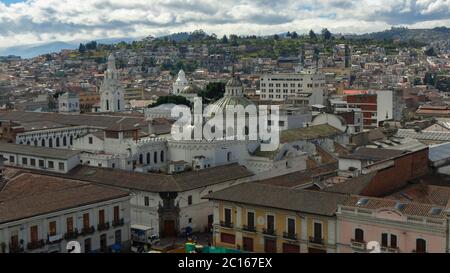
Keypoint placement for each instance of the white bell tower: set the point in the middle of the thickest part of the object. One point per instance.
(111, 90)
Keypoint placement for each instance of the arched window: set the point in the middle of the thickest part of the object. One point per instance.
(155, 157)
(229, 156)
(107, 105)
(28, 143)
(359, 235)
(64, 141)
(162, 156)
(71, 140)
(57, 142)
(50, 142)
(43, 142)
(148, 158)
(141, 159)
(421, 246)
(35, 142)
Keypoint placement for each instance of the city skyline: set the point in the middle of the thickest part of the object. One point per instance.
(39, 22)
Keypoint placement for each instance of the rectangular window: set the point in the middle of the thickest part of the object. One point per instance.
(317, 231)
(51, 164)
(41, 163)
(251, 219)
(11, 159)
(393, 241)
(91, 140)
(86, 220)
(227, 238)
(61, 166)
(52, 228)
(87, 245)
(190, 200)
(118, 236)
(34, 234)
(116, 214)
(33, 162)
(227, 216)
(270, 222)
(384, 239)
(24, 161)
(101, 217)
(146, 201)
(69, 223)
(291, 226)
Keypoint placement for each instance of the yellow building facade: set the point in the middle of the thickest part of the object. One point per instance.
(292, 232)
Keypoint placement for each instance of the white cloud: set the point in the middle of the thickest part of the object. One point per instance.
(36, 21)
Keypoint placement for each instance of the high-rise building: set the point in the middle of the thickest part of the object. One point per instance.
(306, 88)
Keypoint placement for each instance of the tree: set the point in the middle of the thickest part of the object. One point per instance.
(430, 79)
(224, 39)
(430, 52)
(443, 83)
(294, 35)
(179, 100)
(312, 35)
(82, 48)
(214, 91)
(234, 40)
(91, 45)
(276, 37)
(326, 34)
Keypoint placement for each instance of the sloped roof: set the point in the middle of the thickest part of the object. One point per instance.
(309, 133)
(29, 195)
(354, 185)
(152, 182)
(314, 202)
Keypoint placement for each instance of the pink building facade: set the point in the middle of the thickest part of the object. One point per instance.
(397, 227)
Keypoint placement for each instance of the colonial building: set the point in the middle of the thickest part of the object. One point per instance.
(38, 158)
(69, 103)
(264, 218)
(41, 213)
(168, 204)
(398, 226)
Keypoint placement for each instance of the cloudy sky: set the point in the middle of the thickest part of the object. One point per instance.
(39, 21)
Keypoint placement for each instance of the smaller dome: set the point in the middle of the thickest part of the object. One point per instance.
(190, 89)
(234, 82)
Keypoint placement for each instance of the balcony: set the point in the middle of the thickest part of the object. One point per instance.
(103, 226)
(118, 222)
(35, 245)
(316, 240)
(87, 231)
(54, 239)
(269, 231)
(290, 236)
(358, 244)
(249, 228)
(389, 249)
(226, 224)
(15, 248)
(71, 235)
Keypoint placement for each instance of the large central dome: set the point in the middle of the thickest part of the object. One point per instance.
(234, 95)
